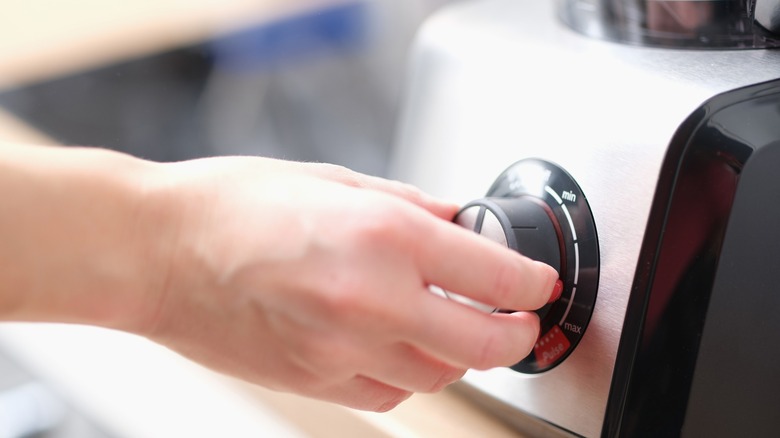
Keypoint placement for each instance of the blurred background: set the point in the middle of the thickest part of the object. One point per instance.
(168, 80)
(315, 80)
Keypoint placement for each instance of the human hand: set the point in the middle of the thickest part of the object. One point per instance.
(314, 279)
(305, 278)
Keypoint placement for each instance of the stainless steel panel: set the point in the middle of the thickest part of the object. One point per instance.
(495, 81)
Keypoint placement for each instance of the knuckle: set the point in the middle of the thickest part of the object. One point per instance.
(505, 286)
(446, 377)
(531, 334)
(341, 174)
(303, 381)
(383, 226)
(410, 192)
(520, 341)
(394, 398)
(351, 304)
(324, 357)
(508, 342)
(312, 351)
(343, 295)
(489, 353)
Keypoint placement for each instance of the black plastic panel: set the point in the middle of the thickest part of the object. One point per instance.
(736, 386)
(699, 187)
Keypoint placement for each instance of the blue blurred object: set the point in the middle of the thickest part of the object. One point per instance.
(29, 409)
(342, 27)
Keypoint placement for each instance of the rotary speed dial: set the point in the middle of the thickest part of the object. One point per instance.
(537, 209)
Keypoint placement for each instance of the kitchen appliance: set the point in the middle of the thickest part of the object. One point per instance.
(635, 146)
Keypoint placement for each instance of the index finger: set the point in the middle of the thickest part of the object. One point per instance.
(467, 338)
(473, 266)
(439, 207)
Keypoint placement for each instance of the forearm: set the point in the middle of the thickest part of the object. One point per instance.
(75, 235)
(296, 276)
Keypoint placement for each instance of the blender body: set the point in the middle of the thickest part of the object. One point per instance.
(620, 109)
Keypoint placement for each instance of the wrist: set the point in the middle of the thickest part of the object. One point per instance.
(79, 237)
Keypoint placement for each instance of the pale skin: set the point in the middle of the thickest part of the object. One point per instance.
(304, 278)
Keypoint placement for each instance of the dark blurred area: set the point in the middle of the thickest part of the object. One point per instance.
(146, 107)
(323, 86)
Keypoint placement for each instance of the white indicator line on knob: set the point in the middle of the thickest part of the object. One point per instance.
(576, 279)
(571, 222)
(558, 199)
(576, 263)
(568, 307)
(552, 193)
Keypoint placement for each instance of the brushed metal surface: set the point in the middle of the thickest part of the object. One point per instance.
(495, 81)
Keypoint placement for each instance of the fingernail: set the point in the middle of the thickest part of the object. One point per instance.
(556, 293)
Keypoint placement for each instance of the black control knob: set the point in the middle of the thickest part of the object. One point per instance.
(537, 209)
(524, 224)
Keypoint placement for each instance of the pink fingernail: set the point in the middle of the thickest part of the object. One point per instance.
(556, 293)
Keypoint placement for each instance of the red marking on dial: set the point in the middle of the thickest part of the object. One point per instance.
(551, 346)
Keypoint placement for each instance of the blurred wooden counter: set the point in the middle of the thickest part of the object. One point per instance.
(136, 389)
(120, 379)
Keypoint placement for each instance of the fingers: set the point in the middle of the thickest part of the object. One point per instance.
(391, 376)
(468, 338)
(442, 209)
(496, 275)
(403, 366)
(363, 393)
(493, 274)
